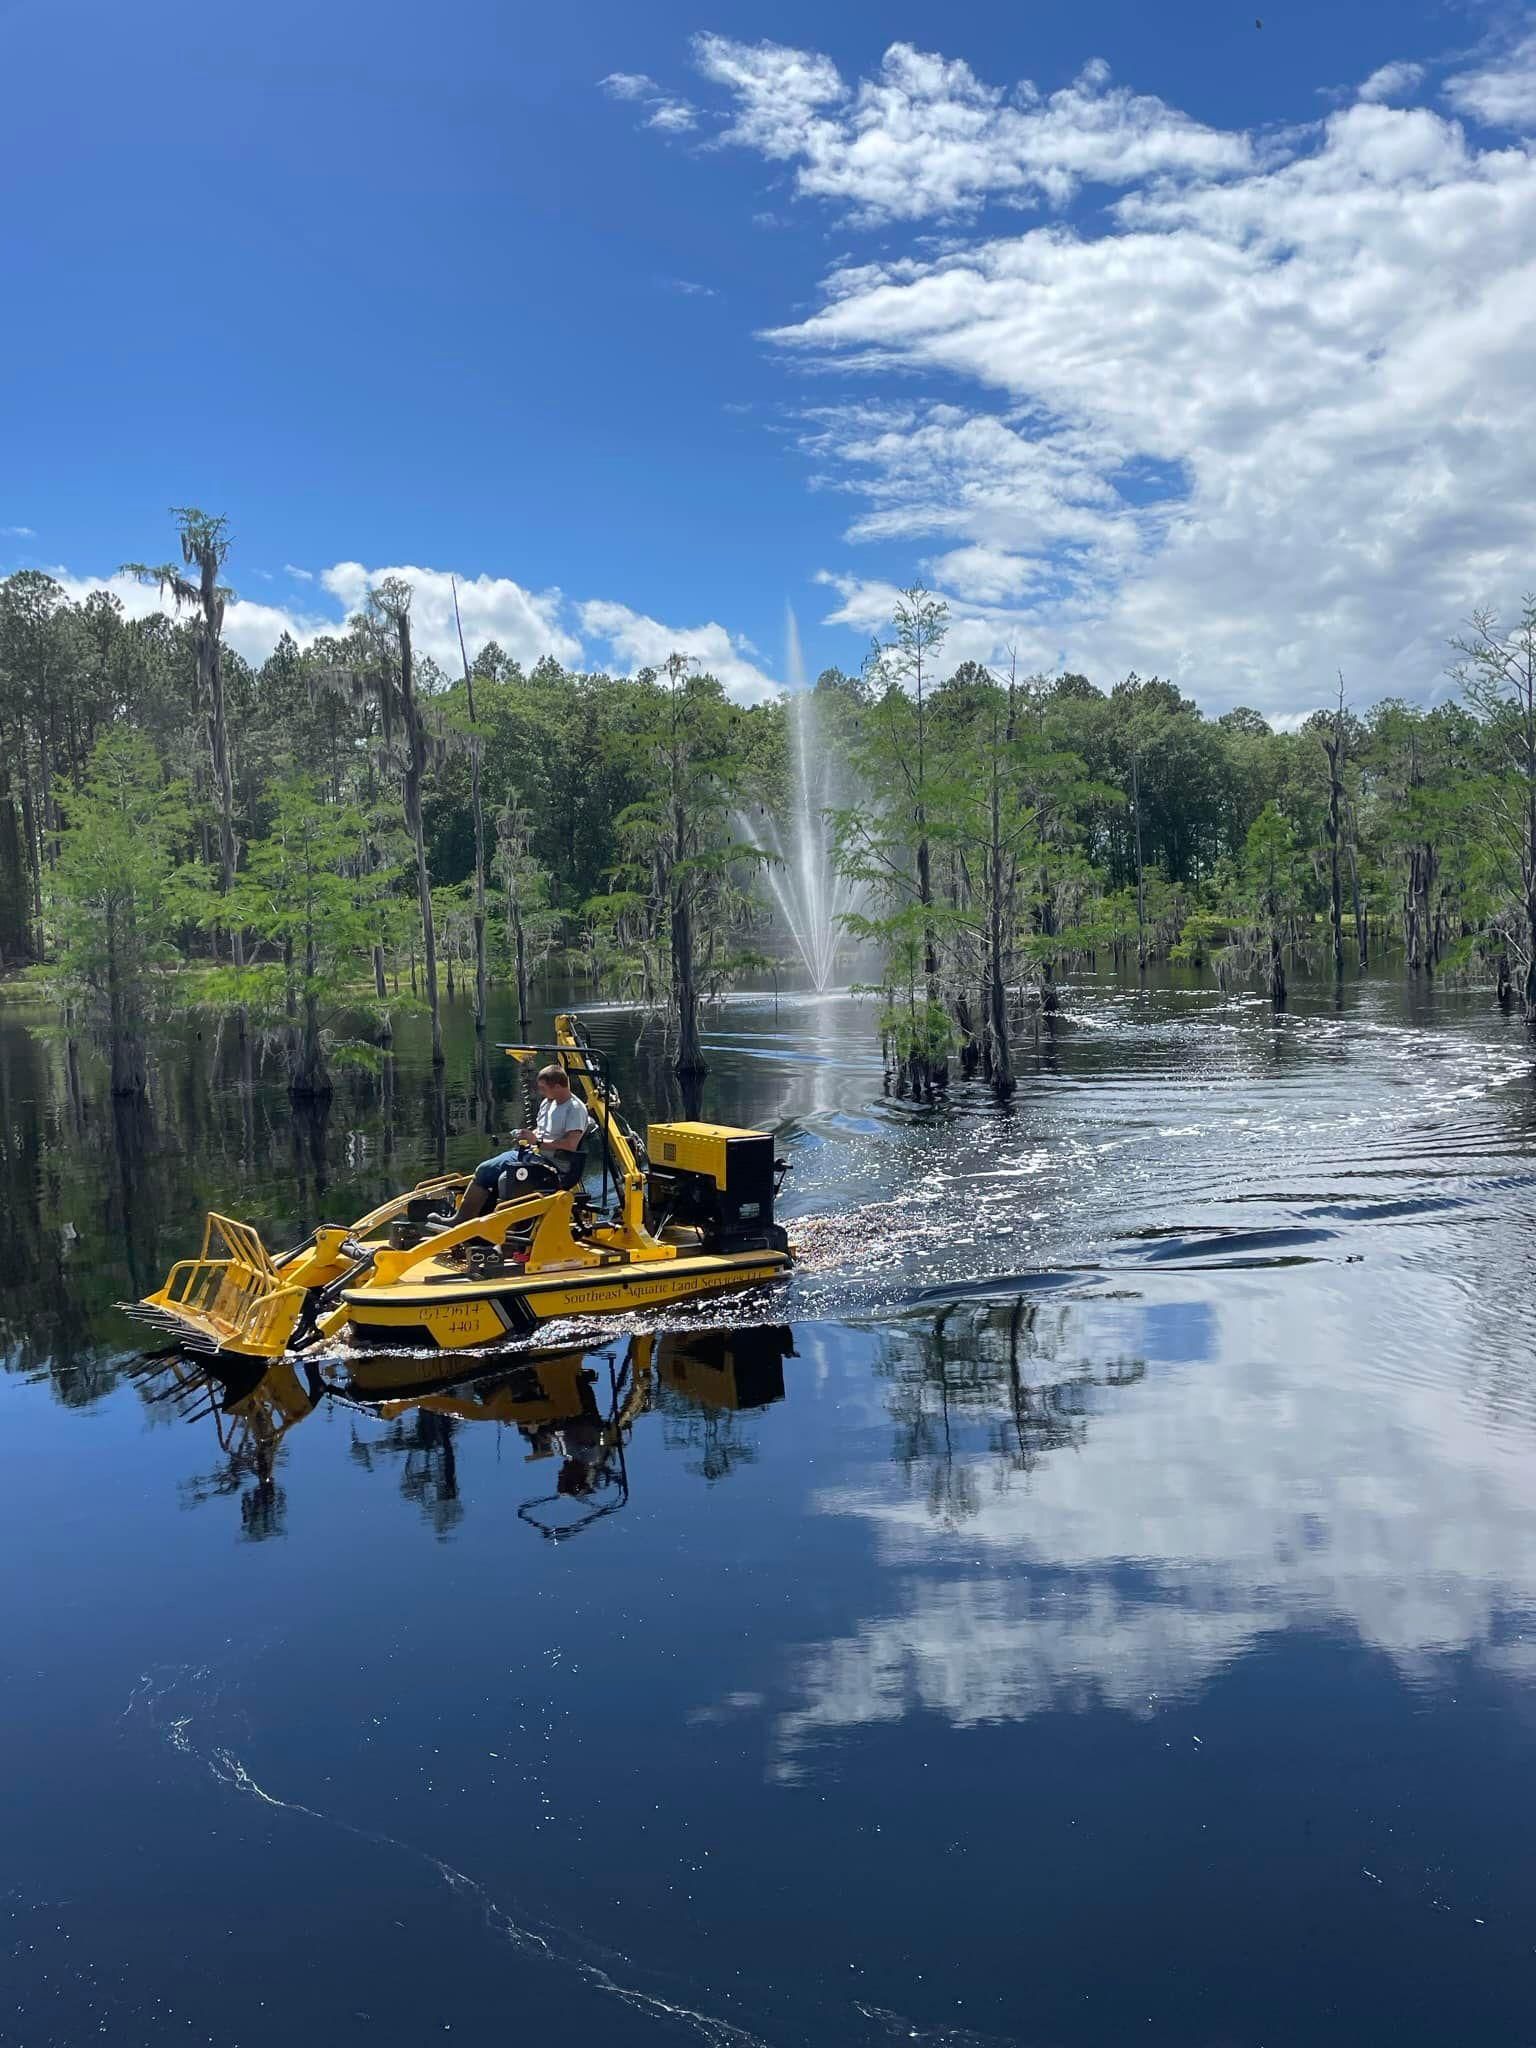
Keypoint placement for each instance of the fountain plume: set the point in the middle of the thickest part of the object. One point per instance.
(811, 895)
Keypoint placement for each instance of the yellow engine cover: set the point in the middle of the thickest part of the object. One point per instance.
(694, 1148)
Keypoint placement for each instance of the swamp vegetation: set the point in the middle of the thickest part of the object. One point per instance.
(303, 849)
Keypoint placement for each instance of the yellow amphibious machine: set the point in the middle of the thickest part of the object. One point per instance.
(687, 1216)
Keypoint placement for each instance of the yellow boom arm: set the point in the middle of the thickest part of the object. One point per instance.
(601, 1099)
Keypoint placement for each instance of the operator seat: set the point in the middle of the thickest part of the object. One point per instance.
(534, 1176)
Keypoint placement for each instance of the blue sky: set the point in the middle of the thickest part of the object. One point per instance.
(1147, 369)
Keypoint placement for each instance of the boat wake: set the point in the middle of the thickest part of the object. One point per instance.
(197, 1713)
(175, 1704)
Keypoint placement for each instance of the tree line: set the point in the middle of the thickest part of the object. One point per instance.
(308, 847)
(1015, 826)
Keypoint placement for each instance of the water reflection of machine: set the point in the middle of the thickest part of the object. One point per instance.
(574, 1407)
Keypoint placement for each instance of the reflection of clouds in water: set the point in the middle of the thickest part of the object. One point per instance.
(1319, 1466)
(978, 1650)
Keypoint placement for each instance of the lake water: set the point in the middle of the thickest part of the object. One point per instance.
(1093, 1602)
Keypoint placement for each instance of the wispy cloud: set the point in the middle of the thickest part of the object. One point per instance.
(1500, 93)
(628, 85)
(669, 114)
(673, 117)
(1391, 82)
(691, 290)
(299, 575)
(17, 533)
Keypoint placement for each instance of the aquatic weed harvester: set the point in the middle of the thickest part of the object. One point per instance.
(683, 1217)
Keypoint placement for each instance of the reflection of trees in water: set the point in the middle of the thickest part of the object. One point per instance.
(263, 1503)
(95, 1205)
(1003, 1379)
(712, 1438)
(96, 1202)
(424, 1443)
(307, 1135)
(708, 1380)
(251, 1412)
(74, 1175)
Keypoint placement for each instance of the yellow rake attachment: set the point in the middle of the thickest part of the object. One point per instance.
(235, 1297)
(231, 1297)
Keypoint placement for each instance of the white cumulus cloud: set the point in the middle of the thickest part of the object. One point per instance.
(639, 642)
(1246, 432)
(251, 628)
(926, 137)
(525, 624)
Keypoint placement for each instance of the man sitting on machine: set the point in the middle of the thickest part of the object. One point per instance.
(558, 1135)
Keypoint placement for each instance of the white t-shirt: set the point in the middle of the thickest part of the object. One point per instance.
(559, 1119)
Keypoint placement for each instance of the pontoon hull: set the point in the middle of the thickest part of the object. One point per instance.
(457, 1314)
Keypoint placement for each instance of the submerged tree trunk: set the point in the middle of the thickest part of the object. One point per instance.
(690, 1055)
(125, 1024)
(34, 859)
(290, 1009)
(1334, 748)
(999, 1054)
(1427, 869)
(1412, 939)
(674, 886)
(519, 953)
(477, 810)
(1362, 922)
(370, 865)
(310, 1075)
(508, 862)
(415, 769)
(1141, 873)
(203, 548)
(211, 673)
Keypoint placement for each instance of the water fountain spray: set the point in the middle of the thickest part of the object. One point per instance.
(811, 895)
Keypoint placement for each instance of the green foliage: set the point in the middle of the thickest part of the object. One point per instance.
(112, 897)
(300, 819)
(669, 919)
(300, 897)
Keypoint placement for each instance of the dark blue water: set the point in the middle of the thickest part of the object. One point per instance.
(1094, 1602)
